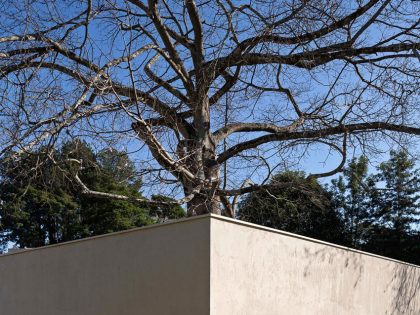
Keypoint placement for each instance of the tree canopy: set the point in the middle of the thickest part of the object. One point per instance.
(396, 209)
(352, 197)
(304, 208)
(40, 206)
(199, 89)
(376, 212)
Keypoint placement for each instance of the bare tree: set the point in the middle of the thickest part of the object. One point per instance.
(193, 88)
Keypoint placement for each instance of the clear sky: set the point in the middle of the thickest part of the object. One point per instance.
(317, 159)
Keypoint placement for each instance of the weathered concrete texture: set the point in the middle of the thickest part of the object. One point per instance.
(151, 271)
(255, 270)
(204, 265)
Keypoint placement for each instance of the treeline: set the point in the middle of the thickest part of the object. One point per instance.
(378, 213)
(40, 204)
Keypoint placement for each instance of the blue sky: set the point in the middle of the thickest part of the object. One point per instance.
(318, 159)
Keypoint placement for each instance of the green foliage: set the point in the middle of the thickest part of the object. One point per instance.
(398, 205)
(396, 209)
(118, 166)
(40, 204)
(35, 216)
(378, 213)
(381, 211)
(303, 207)
(164, 212)
(352, 199)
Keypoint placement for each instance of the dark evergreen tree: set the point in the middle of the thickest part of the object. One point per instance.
(109, 171)
(118, 165)
(397, 209)
(381, 212)
(303, 207)
(352, 198)
(163, 212)
(39, 205)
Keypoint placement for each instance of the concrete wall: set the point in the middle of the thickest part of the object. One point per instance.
(152, 271)
(205, 265)
(255, 270)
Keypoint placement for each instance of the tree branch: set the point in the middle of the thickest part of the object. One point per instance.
(314, 134)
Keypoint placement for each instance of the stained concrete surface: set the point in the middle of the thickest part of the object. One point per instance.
(205, 265)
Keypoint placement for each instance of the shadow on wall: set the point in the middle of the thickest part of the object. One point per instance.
(406, 284)
(332, 255)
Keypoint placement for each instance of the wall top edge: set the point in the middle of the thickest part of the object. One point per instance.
(215, 217)
(87, 239)
(309, 239)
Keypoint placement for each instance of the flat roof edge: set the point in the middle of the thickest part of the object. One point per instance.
(216, 217)
(91, 238)
(309, 239)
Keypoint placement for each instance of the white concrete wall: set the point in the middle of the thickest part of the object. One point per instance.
(150, 271)
(205, 265)
(260, 271)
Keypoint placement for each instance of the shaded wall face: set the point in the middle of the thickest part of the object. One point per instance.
(257, 271)
(163, 270)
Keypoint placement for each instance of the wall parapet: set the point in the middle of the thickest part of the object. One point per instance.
(205, 265)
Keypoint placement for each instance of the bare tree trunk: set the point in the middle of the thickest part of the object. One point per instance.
(204, 163)
(206, 200)
(204, 204)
